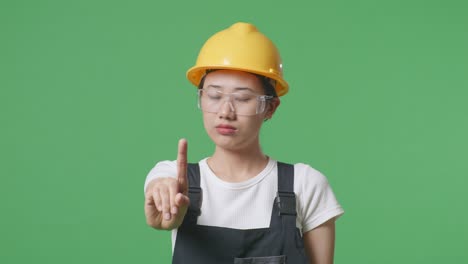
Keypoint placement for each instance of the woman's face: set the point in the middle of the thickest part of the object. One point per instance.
(225, 127)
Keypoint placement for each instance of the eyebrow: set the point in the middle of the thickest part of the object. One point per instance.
(237, 88)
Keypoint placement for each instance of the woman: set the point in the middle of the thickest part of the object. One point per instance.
(240, 205)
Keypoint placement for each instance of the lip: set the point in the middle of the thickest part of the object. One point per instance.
(226, 129)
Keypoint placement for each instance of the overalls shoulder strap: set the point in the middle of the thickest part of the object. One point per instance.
(285, 198)
(195, 193)
(285, 177)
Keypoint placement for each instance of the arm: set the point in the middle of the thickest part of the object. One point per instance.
(319, 243)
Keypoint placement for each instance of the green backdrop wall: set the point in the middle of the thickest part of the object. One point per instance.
(93, 94)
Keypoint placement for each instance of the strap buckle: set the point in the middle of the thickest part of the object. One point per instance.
(196, 196)
(286, 202)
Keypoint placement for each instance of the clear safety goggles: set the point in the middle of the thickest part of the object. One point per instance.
(246, 103)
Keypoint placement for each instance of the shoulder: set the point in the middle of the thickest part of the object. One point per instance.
(304, 174)
(316, 200)
(163, 167)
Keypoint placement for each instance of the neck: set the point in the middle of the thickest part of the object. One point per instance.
(237, 165)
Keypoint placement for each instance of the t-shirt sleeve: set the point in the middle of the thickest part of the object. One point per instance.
(316, 201)
(165, 168)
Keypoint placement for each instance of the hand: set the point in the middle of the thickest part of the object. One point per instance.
(166, 199)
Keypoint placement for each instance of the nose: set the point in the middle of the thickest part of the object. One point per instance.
(227, 110)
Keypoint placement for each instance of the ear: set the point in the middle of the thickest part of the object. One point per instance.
(272, 106)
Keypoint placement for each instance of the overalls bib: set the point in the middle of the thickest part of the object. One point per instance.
(278, 244)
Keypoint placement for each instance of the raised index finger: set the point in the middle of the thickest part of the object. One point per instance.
(182, 166)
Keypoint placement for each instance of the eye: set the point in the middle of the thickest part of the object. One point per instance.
(213, 94)
(244, 98)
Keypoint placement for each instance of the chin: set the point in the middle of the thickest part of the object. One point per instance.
(228, 143)
(231, 143)
(225, 142)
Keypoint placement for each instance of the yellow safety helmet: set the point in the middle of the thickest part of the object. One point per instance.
(240, 47)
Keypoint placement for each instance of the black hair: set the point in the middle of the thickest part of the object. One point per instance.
(268, 85)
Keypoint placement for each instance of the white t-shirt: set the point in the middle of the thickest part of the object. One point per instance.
(248, 204)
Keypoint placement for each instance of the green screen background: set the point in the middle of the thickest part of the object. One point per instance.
(93, 94)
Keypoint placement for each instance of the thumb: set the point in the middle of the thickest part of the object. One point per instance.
(181, 200)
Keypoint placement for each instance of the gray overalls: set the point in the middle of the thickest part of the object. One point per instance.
(278, 244)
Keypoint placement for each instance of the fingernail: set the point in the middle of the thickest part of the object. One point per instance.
(167, 216)
(174, 210)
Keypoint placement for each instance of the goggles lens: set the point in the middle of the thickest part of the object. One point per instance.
(212, 99)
